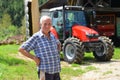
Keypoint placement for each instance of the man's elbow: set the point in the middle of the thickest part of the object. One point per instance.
(21, 50)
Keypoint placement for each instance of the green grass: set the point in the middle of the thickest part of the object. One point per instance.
(5, 55)
(13, 68)
(89, 68)
(116, 53)
(9, 49)
(107, 72)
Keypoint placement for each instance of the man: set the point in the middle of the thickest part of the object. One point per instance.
(46, 48)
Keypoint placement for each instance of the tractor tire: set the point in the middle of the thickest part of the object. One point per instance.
(73, 50)
(105, 51)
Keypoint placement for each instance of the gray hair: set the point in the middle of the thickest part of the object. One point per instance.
(44, 18)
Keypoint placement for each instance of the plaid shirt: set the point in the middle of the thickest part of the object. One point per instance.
(46, 50)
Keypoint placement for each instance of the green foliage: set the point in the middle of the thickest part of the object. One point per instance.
(88, 56)
(116, 53)
(11, 18)
(42, 1)
(5, 55)
(2, 69)
(12, 68)
(69, 71)
(5, 21)
(15, 8)
(8, 49)
(107, 72)
(75, 65)
(10, 60)
(6, 27)
(89, 68)
(9, 31)
(23, 27)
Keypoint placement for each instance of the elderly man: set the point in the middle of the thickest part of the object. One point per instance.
(46, 48)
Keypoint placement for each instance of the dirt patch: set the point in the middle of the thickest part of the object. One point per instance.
(105, 71)
(20, 56)
(17, 39)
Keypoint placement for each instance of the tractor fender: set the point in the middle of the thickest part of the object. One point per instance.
(54, 32)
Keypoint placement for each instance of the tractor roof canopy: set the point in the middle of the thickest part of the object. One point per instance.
(67, 8)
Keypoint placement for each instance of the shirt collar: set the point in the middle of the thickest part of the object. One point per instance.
(41, 34)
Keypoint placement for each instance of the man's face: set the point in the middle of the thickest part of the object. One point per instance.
(45, 26)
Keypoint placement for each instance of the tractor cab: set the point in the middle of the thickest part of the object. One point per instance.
(64, 18)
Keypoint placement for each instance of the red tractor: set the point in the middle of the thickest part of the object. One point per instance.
(72, 25)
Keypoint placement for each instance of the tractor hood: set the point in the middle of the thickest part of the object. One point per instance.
(84, 33)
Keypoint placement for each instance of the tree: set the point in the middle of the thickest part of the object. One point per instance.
(5, 21)
(15, 8)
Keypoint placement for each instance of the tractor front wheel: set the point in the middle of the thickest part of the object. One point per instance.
(73, 50)
(105, 50)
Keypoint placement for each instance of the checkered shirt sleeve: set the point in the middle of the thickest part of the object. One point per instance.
(29, 44)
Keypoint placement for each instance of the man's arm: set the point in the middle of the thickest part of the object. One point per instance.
(59, 46)
(27, 54)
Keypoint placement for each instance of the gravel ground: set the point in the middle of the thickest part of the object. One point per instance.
(105, 71)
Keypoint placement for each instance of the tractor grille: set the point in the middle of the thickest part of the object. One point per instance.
(92, 35)
(91, 46)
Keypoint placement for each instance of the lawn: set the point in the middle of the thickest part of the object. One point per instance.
(14, 68)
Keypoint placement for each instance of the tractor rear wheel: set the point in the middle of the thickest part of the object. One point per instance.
(73, 50)
(105, 51)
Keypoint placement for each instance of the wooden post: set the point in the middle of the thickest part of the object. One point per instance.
(35, 16)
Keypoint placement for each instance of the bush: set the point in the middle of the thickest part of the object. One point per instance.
(10, 31)
(7, 29)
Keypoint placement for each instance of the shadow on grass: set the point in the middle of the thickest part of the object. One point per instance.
(11, 61)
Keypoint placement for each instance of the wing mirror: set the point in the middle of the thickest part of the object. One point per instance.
(55, 14)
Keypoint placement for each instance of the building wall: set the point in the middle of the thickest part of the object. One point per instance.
(118, 27)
